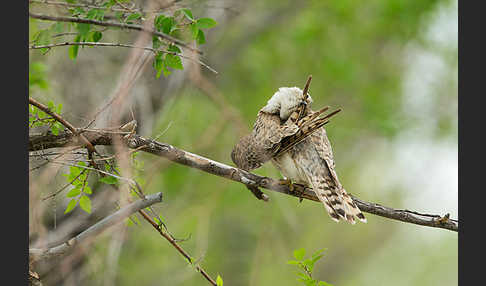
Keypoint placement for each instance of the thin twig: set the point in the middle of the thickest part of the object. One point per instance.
(173, 242)
(65, 186)
(56, 3)
(113, 24)
(101, 44)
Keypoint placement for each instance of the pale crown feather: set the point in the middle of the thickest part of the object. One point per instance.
(285, 101)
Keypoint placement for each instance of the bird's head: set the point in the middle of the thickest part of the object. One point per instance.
(285, 101)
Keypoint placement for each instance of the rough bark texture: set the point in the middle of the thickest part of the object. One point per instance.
(39, 142)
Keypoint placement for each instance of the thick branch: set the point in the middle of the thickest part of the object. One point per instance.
(249, 179)
(97, 228)
(113, 24)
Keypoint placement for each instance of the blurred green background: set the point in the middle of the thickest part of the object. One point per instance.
(390, 65)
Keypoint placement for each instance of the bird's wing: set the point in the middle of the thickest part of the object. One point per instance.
(305, 127)
(269, 132)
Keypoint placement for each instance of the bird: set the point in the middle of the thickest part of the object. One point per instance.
(290, 134)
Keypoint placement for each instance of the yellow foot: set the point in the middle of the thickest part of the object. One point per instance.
(288, 183)
(294, 188)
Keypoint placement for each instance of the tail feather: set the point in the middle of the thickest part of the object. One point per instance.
(352, 207)
(338, 204)
(326, 197)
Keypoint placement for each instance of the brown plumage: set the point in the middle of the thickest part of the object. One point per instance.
(289, 134)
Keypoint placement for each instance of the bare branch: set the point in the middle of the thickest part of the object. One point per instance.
(97, 228)
(249, 179)
(173, 242)
(113, 24)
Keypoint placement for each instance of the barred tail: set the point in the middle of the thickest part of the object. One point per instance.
(337, 203)
(351, 208)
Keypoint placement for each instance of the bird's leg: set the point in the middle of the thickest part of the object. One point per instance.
(299, 191)
(287, 182)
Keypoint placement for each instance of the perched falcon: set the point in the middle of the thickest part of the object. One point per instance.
(289, 134)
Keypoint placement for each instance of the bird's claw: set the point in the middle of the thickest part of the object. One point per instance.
(294, 188)
(288, 183)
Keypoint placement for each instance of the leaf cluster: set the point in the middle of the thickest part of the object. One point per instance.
(38, 117)
(306, 267)
(167, 55)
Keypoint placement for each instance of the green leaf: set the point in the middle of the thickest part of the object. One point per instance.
(55, 129)
(299, 253)
(109, 180)
(41, 114)
(71, 205)
(323, 283)
(200, 38)
(309, 263)
(219, 281)
(96, 36)
(315, 258)
(133, 16)
(173, 48)
(206, 23)
(79, 10)
(87, 190)
(109, 4)
(310, 282)
(83, 29)
(165, 70)
(158, 22)
(318, 252)
(293, 262)
(74, 171)
(173, 61)
(96, 14)
(167, 24)
(194, 30)
(92, 14)
(73, 193)
(156, 43)
(85, 203)
(158, 64)
(59, 108)
(73, 50)
(128, 222)
(51, 106)
(188, 14)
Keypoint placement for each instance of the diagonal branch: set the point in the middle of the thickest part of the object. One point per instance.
(97, 228)
(113, 24)
(38, 142)
(62, 121)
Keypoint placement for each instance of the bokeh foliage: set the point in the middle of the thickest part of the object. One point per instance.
(357, 53)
